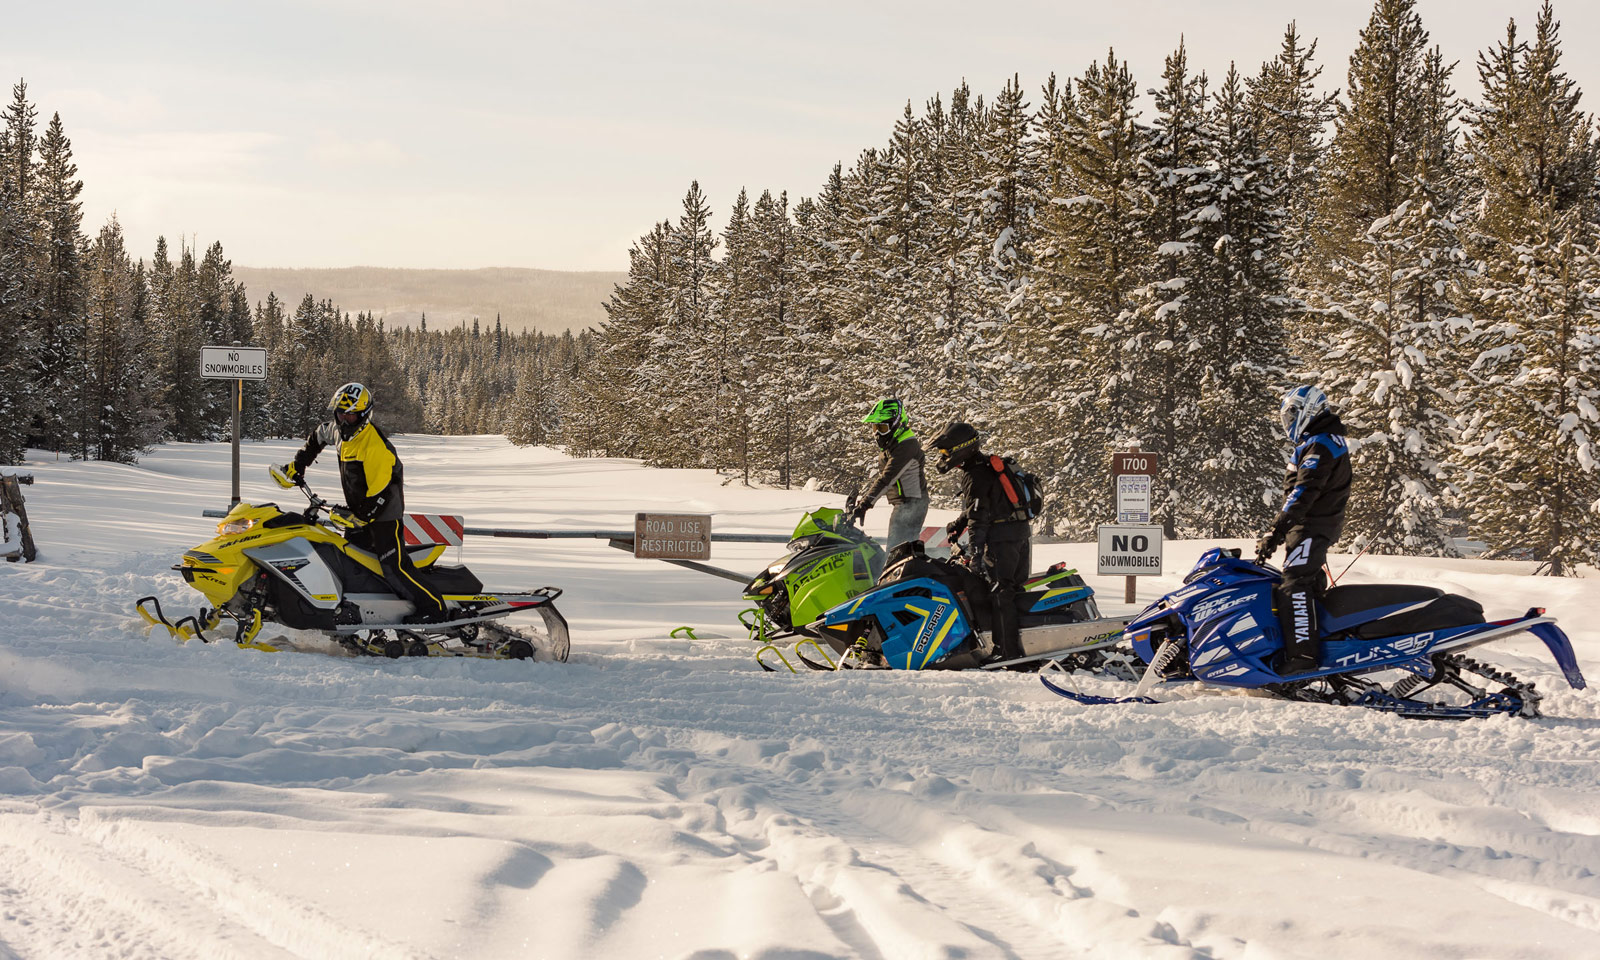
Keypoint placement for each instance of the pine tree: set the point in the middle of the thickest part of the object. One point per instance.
(1388, 266)
(1533, 473)
(782, 401)
(1291, 118)
(726, 356)
(1068, 344)
(120, 421)
(19, 293)
(683, 404)
(1160, 340)
(1239, 307)
(60, 287)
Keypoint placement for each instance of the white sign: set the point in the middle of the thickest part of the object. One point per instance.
(1129, 550)
(1133, 498)
(233, 363)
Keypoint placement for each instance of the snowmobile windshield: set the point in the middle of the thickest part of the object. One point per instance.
(823, 520)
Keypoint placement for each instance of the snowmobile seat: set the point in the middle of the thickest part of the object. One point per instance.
(1373, 611)
(1368, 601)
(1440, 613)
(456, 581)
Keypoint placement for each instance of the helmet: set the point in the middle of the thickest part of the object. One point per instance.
(1301, 406)
(887, 416)
(958, 442)
(351, 407)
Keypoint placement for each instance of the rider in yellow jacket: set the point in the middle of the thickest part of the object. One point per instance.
(374, 487)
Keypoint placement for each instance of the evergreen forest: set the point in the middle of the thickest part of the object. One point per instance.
(1072, 267)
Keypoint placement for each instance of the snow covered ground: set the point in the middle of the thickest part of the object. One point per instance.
(664, 798)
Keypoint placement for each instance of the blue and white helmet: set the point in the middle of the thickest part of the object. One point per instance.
(1301, 406)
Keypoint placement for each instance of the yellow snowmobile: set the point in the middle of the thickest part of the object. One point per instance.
(269, 565)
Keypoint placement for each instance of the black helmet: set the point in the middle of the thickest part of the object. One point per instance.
(955, 444)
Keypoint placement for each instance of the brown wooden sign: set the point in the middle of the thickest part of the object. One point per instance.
(672, 536)
(1135, 462)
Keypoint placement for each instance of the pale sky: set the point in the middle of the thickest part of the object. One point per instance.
(485, 133)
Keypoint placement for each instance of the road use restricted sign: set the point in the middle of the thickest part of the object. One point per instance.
(1130, 550)
(233, 363)
(671, 536)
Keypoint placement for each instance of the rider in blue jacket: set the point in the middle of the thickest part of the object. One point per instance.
(1315, 491)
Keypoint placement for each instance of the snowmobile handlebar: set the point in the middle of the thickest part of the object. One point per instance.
(316, 506)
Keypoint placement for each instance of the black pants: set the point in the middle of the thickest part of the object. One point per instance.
(1303, 587)
(1002, 552)
(385, 539)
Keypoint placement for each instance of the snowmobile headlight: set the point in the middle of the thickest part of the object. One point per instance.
(802, 543)
(228, 528)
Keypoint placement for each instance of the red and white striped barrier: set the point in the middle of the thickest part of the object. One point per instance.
(431, 529)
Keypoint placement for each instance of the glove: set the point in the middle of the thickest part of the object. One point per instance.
(287, 475)
(343, 518)
(955, 528)
(1265, 548)
(854, 517)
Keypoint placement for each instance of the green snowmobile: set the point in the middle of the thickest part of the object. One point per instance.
(829, 561)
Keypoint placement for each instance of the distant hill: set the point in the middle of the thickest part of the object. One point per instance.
(546, 300)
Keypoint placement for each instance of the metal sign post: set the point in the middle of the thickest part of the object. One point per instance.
(238, 364)
(1133, 472)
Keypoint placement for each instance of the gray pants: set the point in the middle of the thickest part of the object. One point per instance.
(905, 523)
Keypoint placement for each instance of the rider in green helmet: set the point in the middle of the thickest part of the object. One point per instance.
(902, 475)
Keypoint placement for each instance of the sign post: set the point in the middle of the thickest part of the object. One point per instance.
(1134, 473)
(238, 364)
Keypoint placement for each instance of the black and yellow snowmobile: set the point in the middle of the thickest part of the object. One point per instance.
(269, 565)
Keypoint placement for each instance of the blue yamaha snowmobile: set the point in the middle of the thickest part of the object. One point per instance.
(927, 613)
(1221, 628)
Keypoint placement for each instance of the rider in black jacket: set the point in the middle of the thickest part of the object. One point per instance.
(999, 532)
(1316, 488)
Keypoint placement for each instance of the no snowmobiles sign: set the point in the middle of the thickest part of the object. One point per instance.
(671, 536)
(233, 363)
(1130, 550)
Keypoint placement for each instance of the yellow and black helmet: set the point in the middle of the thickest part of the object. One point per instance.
(351, 407)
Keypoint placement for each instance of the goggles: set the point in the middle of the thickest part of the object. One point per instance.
(348, 417)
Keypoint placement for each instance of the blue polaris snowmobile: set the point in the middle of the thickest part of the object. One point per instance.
(928, 613)
(1221, 628)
